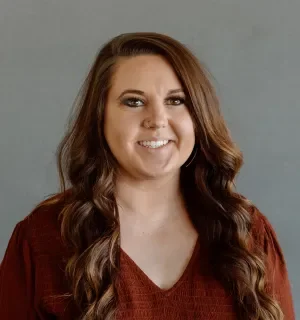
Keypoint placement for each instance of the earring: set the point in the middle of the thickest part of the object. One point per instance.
(195, 152)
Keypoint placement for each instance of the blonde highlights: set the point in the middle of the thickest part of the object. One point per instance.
(90, 222)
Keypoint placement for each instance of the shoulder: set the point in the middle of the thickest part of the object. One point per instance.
(264, 236)
(261, 227)
(41, 228)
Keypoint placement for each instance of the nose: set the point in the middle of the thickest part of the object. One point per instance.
(157, 118)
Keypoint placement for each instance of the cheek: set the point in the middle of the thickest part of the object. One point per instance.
(114, 136)
(119, 133)
(186, 129)
(111, 131)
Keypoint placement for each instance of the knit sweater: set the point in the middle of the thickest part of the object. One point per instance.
(32, 276)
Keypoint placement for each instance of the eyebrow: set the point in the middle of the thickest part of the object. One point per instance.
(143, 93)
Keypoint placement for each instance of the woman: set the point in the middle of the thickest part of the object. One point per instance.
(148, 224)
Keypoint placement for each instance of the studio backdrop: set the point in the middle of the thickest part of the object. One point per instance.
(251, 49)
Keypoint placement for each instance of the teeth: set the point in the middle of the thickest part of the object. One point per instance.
(154, 144)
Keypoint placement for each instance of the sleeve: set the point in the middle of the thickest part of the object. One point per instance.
(278, 283)
(16, 279)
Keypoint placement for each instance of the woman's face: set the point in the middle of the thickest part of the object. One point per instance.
(147, 125)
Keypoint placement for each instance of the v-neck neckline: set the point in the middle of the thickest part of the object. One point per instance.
(144, 277)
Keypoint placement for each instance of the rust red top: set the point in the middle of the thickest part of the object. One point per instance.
(32, 275)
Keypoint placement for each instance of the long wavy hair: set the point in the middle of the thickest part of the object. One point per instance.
(90, 220)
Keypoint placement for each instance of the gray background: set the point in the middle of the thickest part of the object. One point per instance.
(252, 49)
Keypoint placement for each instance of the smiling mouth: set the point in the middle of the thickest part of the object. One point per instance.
(154, 144)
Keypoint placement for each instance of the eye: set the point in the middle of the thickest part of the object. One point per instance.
(175, 101)
(132, 102)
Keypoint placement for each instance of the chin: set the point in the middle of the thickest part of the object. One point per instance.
(158, 173)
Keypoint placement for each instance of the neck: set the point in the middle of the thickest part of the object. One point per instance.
(152, 201)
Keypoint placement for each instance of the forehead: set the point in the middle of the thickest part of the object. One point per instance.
(145, 72)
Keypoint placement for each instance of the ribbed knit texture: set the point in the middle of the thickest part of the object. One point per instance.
(32, 275)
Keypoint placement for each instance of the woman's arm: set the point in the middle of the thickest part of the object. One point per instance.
(17, 279)
(278, 283)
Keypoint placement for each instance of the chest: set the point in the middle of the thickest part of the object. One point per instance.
(196, 295)
(161, 264)
(163, 257)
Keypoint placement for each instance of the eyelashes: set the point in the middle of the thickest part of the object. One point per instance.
(176, 100)
(135, 102)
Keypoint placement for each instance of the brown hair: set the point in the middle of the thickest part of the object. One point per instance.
(90, 224)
